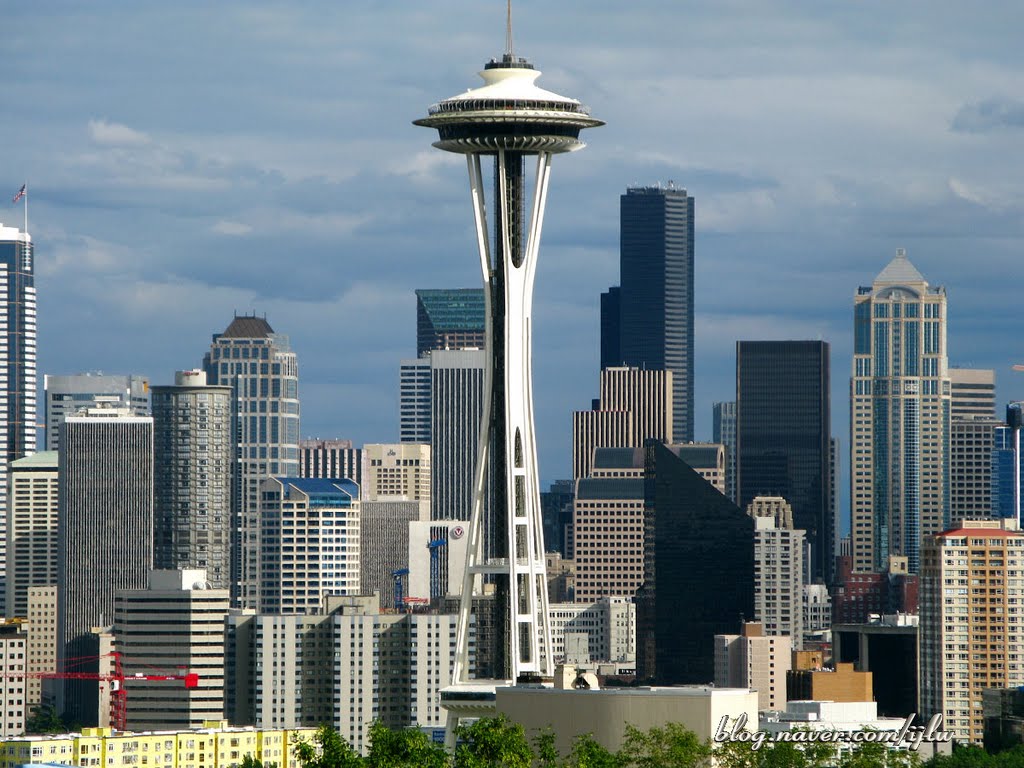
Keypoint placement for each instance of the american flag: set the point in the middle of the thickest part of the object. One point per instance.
(21, 193)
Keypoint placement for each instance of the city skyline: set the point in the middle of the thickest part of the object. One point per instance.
(150, 211)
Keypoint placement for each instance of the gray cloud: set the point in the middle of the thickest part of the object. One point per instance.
(989, 115)
(189, 162)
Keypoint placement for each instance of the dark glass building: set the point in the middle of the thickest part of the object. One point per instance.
(698, 571)
(449, 318)
(783, 434)
(556, 514)
(656, 293)
(611, 353)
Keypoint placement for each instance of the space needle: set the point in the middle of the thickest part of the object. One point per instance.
(509, 118)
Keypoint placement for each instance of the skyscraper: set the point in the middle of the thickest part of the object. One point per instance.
(698, 571)
(194, 458)
(972, 392)
(635, 405)
(310, 542)
(783, 434)
(970, 636)
(105, 529)
(397, 472)
(456, 407)
(175, 624)
(263, 372)
(32, 531)
(65, 395)
(331, 458)
(778, 573)
(900, 415)
(656, 293)
(449, 318)
(17, 353)
(611, 351)
(723, 425)
(414, 400)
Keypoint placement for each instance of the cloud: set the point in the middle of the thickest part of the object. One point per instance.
(233, 228)
(989, 115)
(110, 134)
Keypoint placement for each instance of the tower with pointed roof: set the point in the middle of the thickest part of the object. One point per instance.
(262, 370)
(899, 417)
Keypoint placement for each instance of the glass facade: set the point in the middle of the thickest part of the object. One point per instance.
(656, 292)
(450, 318)
(783, 423)
(698, 571)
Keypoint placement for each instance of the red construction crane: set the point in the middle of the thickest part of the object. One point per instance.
(116, 678)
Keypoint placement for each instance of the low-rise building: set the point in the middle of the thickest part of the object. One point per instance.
(216, 744)
(604, 713)
(841, 685)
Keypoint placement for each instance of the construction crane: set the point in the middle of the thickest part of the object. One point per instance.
(399, 590)
(436, 589)
(116, 678)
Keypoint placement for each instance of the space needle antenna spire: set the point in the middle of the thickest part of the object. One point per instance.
(508, 29)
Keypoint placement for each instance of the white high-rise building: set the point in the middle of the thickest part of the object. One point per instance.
(66, 395)
(12, 685)
(263, 372)
(175, 627)
(456, 407)
(397, 472)
(380, 667)
(778, 569)
(899, 417)
(971, 631)
(32, 512)
(609, 623)
(310, 541)
(753, 660)
(18, 355)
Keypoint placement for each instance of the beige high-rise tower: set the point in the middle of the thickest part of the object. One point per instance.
(971, 633)
(635, 405)
(899, 416)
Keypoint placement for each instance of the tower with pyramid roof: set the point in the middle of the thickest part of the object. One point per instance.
(899, 417)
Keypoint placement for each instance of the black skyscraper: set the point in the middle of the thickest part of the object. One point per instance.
(783, 429)
(698, 571)
(656, 292)
(611, 354)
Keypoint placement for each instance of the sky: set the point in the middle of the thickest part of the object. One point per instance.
(190, 160)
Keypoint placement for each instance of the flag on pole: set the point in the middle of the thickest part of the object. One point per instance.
(21, 193)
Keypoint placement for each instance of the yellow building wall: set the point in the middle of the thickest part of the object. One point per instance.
(100, 748)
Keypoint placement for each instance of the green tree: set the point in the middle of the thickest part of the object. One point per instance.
(405, 748)
(875, 755)
(587, 753)
(328, 750)
(545, 750)
(671, 746)
(493, 742)
(44, 719)
(253, 762)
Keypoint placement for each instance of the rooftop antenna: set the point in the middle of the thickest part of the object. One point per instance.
(508, 29)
